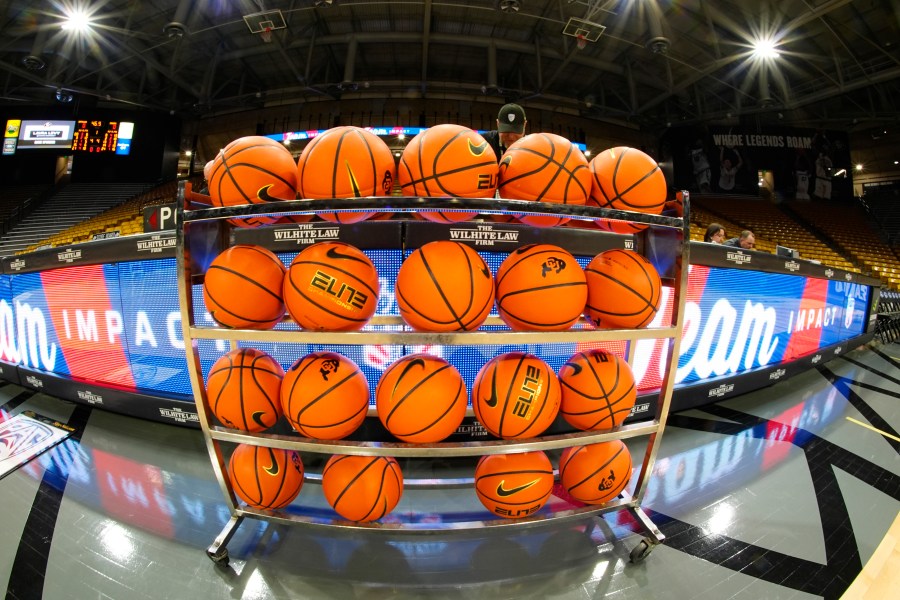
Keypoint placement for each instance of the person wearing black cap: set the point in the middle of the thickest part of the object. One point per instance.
(511, 123)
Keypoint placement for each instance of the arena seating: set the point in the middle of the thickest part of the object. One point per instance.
(17, 200)
(855, 233)
(771, 225)
(69, 206)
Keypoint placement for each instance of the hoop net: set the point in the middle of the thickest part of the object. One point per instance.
(581, 41)
(266, 34)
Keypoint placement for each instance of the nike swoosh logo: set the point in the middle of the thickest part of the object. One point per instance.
(503, 492)
(263, 194)
(477, 150)
(492, 401)
(274, 469)
(576, 368)
(257, 418)
(333, 252)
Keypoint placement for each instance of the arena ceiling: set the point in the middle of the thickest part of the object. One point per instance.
(655, 63)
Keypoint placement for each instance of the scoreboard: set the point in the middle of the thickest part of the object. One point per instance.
(96, 136)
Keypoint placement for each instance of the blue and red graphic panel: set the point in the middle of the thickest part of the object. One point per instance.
(7, 321)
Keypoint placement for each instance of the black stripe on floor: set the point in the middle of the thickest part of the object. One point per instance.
(26, 579)
(843, 563)
(872, 369)
(842, 384)
(17, 400)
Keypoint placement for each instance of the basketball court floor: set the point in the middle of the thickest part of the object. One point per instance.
(786, 492)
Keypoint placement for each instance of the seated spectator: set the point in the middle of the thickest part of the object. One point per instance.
(747, 241)
(715, 234)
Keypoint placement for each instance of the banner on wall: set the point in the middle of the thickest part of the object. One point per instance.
(806, 164)
(120, 325)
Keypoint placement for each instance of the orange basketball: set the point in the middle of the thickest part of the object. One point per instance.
(516, 395)
(514, 485)
(620, 226)
(624, 290)
(252, 170)
(266, 478)
(242, 288)
(627, 179)
(595, 473)
(545, 167)
(598, 390)
(325, 396)
(540, 287)
(362, 488)
(421, 398)
(331, 286)
(242, 389)
(448, 160)
(444, 286)
(346, 162)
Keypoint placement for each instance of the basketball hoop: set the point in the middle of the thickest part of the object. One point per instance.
(581, 41)
(266, 34)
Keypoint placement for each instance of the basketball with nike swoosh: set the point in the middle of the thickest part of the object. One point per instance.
(243, 388)
(421, 398)
(346, 162)
(516, 395)
(265, 478)
(595, 473)
(514, 485)
(449, 161)
(252, 170)
(331, 286)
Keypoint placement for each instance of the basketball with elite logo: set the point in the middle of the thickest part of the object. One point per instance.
(545, 167)
(242, 389)
(449, 161)
(265, 478)
(540, 287)
(362, 488)
(516, 395)
(331, 286)
(325, 396)
(595, 473)
(624, 290)
(346, 162)
(514, 485)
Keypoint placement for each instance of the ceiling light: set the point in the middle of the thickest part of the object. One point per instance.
(859, 167)
(765, 49)
(77, 20)
(509, 5)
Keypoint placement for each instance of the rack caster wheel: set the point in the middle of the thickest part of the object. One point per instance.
(642, 550)
(219, 557)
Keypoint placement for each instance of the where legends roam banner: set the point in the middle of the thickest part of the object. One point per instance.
(119, 325)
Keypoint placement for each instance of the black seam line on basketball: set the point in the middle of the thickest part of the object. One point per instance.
(437, 287)
(518, 472)
(424, 179)
(315, 302)
(326, 392)
(439, 418)
(611, 404)
(306, 427)
(267, 254)
(412, 390)
(256, 372)
(543, 404)
(872, 369)
(245, 278)
(336, 164)
(29, 566)
(509, 391)
(600, 468)
(518, 258)
(551, 286)
(843, 563)
(354, 479)
(378, 498)
(647, 302)
(255, 167)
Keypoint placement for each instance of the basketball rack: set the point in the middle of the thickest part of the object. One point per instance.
(666, 235)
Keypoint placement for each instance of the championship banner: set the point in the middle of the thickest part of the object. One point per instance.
(27, 435)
